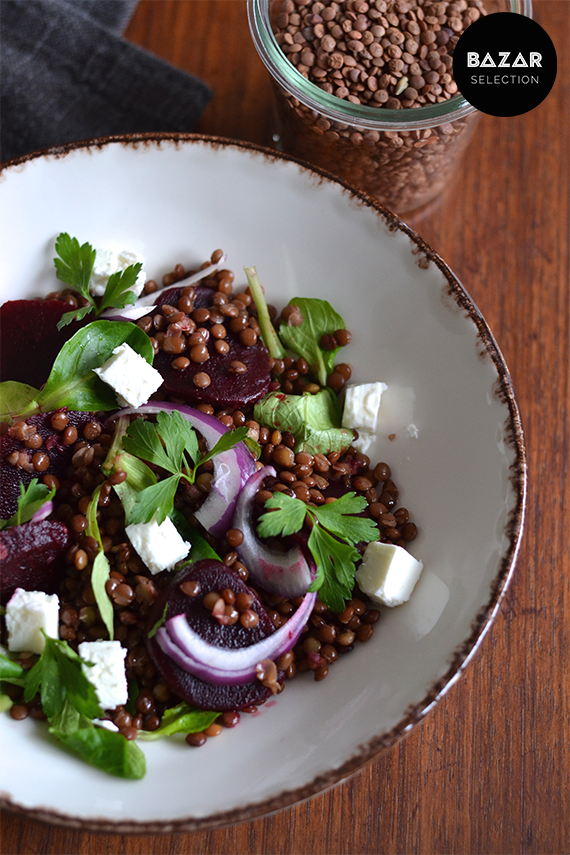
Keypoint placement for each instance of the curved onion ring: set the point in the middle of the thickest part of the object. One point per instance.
(232, 468)
(287, 574)
(145, 304)
(229, 667)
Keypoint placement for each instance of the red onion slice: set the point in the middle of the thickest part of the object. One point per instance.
(229, 667)
(287, 574)
(43, 512)
(127, 313)
(232, 468)
(145, 304)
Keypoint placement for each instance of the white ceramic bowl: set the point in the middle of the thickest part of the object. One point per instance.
(175, 199)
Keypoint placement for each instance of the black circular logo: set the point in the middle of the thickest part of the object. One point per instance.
(504, 64)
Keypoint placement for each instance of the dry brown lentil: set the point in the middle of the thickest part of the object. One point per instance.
(376, 64)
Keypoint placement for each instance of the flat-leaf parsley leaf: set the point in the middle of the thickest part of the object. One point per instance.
(74, 266)
(335, 531)
(172, 444)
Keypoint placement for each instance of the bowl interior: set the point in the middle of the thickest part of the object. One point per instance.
(461, 472)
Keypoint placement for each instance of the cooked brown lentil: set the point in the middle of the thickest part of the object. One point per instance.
(133, 591)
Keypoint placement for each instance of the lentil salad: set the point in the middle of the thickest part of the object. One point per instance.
(86, 482)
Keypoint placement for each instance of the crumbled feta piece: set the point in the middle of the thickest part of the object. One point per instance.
(159, 546)
(412, 432)
(388, 573)
(361, 405)
(107, 671)
(27, 614)
(108, 262)
(130, 375)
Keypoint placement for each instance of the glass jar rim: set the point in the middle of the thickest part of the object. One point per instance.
(338, 109)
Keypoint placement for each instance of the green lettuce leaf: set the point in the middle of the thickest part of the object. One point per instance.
(314, 420)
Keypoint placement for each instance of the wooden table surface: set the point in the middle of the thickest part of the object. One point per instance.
(488, 771)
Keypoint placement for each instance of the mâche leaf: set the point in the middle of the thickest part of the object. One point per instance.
(16, 398)
(180, 719)
(335, 531)
(101, 567)
(318, 318)
(72, 382)
(99, 578)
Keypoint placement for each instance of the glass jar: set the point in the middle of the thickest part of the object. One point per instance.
(404, 158)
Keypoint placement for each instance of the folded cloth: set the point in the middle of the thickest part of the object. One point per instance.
(67, 75)
(113, 14)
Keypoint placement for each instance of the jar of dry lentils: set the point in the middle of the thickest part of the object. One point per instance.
(364, 88)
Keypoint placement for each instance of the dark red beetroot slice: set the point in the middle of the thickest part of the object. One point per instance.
(32, 557)
(212, 576)
(60, 456)
(30, 340)
(226, 388)
(203, 297)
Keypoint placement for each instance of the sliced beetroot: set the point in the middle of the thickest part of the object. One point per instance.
(32, 557)
(211, 576)
(30, 340)
(203, 297)
(226, 388)
(59, 454)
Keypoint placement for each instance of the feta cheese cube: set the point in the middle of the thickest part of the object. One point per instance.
(27, 614)
(132, 378)
(108, 262)
(159, 546)
(388, 573)
(107, 671)
(361, 405)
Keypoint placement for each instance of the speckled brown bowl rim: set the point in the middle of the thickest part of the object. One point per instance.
(459, 658)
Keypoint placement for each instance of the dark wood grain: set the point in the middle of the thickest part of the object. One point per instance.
(488, 771)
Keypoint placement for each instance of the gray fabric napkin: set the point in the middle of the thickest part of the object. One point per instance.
(66, 75)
